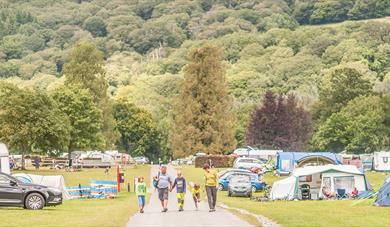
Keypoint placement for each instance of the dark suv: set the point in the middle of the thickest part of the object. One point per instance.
(14, 192)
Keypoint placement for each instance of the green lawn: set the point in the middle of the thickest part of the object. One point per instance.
(310, 213)
(88, 212)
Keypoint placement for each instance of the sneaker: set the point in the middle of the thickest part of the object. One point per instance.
(210, 210)
(141, 211)
(165, 210)
(181, 209)
(213, 210)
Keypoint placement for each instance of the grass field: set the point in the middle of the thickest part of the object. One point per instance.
(88, 212)
(309, 213)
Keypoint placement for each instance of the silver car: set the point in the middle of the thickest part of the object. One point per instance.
(240, 185)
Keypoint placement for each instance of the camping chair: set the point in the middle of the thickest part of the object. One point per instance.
(305, 192)
(341, 194)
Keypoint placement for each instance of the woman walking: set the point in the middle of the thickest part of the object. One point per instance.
(211, 179)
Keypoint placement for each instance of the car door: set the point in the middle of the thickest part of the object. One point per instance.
(225, 180)
(9, 194)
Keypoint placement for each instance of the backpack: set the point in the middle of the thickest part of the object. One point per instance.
(155, 181)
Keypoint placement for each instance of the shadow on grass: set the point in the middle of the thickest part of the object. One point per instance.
(51, 209)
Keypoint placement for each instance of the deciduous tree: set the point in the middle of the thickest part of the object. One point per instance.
(31, 121)
(279, 123)
(85, 119)
(84, 69)
(138, 131)
(358, 128)
(338, 88)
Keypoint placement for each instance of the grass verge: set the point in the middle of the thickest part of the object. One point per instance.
(309, 213)
(87, 212)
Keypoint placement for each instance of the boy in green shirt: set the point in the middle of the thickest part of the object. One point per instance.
(141, 192)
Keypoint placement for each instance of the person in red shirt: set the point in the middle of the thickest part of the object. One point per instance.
(354, 193)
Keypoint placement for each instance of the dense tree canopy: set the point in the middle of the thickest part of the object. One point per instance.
(340, 87)
(358, 128)
(137, 51)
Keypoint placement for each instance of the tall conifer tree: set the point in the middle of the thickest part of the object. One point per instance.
(203, 119)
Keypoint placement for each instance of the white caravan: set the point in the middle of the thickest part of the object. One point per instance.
(4, 159)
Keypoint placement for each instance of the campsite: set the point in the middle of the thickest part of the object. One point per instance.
(187, 113)
(293, 199)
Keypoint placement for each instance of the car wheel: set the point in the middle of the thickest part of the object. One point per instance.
(220, 187)
(34, 201)
(254, 189)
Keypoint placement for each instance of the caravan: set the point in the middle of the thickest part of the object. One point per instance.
(4, 159)
(382, 161)
(308, 182)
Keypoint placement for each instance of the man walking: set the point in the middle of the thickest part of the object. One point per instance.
(211, 179)
(164, 184)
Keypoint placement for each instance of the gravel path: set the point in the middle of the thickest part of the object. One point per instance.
(190, 217)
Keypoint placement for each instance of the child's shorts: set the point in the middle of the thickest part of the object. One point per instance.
(141, 200)
(196, 197)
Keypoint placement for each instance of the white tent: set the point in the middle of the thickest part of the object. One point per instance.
(4, 159)
(49, 181)
(382, 161)
(333, 176)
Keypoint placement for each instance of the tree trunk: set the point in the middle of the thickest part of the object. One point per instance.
(23, 162)
(70, 148)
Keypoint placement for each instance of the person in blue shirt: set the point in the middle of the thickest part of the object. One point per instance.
(180, 184)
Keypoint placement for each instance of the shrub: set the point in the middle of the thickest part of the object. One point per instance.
(219, 161)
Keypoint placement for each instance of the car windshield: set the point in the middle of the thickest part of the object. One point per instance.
(5, 179)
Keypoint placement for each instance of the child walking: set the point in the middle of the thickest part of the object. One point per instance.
(196, 194)
(180, 184)
(141, 193)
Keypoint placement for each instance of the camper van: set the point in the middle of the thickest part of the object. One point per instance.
(4, 159)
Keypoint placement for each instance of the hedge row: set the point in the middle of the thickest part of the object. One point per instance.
(218, 161)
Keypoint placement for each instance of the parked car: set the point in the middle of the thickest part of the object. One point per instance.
(14, 192)
(141, 160)
(240, 185)
(248, 163)
(257, 185)
(223, 172)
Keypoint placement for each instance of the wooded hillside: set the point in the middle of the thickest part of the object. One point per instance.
(283, 46)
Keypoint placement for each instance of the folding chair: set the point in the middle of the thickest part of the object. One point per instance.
(341, 194)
